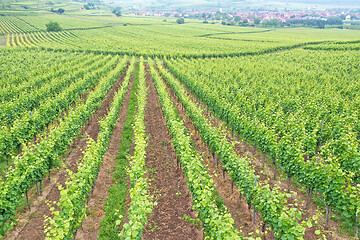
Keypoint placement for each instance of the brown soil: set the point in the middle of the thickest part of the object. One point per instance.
(31, 223)
(3, 29)
(28, 39)
(10, 41)
(91, 224)
(266, 170)
(227, 191)
(128, 199)
(20, 41)
(2, 41)
(267, 173)
(167, 182)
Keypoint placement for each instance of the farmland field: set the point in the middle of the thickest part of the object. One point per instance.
(141, 128)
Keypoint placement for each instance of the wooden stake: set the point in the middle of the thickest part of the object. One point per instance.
(356, 227)
(254, 206)
(27, 200)
(309, 191)
(249, 208)
(263, 163)
(37, 188)
(328, 213)
(289, 183)
(275, 171)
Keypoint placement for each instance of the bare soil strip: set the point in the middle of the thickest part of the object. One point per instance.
(91, 224)
(2, 41)
(266, 171)
(168, 184)
(31, 223)
(230, 195)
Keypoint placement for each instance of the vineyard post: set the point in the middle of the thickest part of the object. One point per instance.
(356, 227)
(289, 183)
(214, 158)
(37, 188)
(34, 133)
(308, 198)
(328, 213)
(254, 206)
(274, 170)
(249, 208)
(27, 200)
(321, 130)
(263, 163)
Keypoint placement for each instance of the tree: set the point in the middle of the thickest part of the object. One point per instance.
(272, 23)
(53, 27)
(342, 16)
(245, 21)
(180, 21)
(321, 25)
(334, 21)
(257, 20)
(237, 19)
(60, 11)
(117, 11)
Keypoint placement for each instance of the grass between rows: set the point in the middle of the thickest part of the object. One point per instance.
(116, 201)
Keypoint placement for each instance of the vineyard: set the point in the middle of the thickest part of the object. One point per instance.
(139, 128)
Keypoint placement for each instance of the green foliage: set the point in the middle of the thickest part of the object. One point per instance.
(271, 23)
(141, 202)
(36, 110)
(217, 221)
(180, 20)
(117, 11)
(37, 160)
(287, 127)
(53, 27)
(115, 202)
(72, 203)
(269, 203)
(59, 11)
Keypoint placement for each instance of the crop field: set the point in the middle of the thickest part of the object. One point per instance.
(140, 128)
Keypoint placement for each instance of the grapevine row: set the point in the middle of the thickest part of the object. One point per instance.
(217, 222)
(141, 201)
(17, 85)
(327, 179)
(269, 203)
(10, 111)
(72, 203)
(37, 161)
(31, 124)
